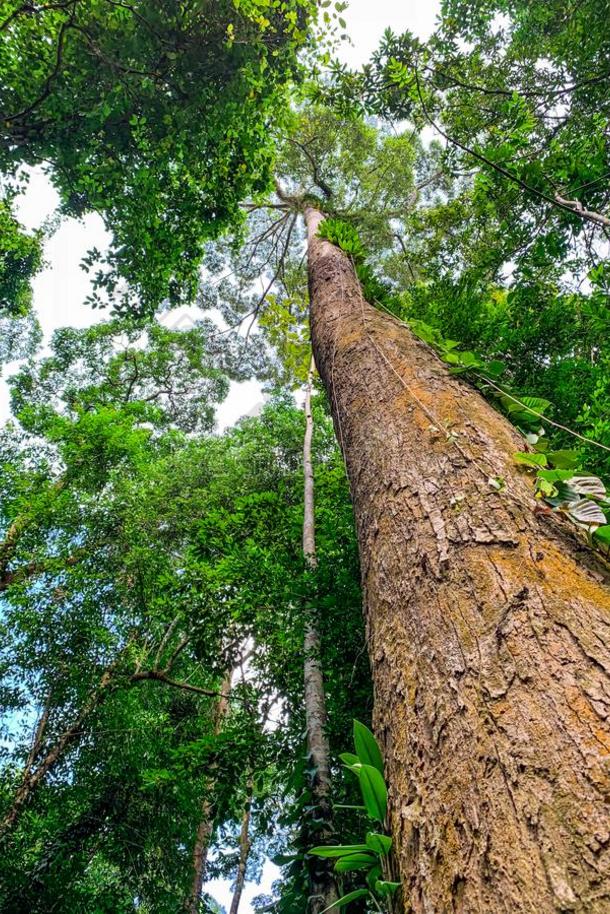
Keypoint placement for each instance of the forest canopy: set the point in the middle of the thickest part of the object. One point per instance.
(362, 633)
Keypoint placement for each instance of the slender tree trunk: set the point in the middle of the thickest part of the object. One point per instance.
(322, 883)
(206, 820)
(488, 627)
(244, 850)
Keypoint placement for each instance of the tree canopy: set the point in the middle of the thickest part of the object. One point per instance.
(434, 228)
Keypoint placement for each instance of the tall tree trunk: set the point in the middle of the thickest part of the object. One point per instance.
(206, 819)
(322, 883)
(488, 627)
(244, 850)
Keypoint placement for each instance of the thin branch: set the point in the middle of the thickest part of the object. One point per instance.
(176, 652)
(315, 172)
(38, 737)
(577, 207)
(31, 778)
(69, 23)
(585, 215)
(31, 9)
(160, 676)
(526, 93)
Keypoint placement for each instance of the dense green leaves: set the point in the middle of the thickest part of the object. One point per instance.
(20, 259)
(154, 116)
(142, 556)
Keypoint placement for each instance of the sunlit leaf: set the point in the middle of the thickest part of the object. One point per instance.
(367, 748)
(374, 792)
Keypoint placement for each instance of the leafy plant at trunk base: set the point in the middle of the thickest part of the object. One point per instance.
(369, 858)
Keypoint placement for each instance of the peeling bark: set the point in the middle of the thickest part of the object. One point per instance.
(323, 888)
(488, 628)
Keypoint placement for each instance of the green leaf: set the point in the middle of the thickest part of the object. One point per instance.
(494, 368)
(349, 759)
(372, 876)
(381, 844)
(555, 475)
(386, 888)
(547, 488)
(374, 792)
(530, 460)
(603, 534)
(367, 748)
(284, 859)
(355, 862)
(338, 850)
(345, 899)
(563, 460)
(538, 404)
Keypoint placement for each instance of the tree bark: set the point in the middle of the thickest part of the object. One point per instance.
(323, 887)
(244, 850)
(488, 628)
(206, 819)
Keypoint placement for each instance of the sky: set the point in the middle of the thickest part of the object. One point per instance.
(62, 287)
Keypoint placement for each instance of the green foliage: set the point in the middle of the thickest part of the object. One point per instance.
(137, 549)
(367, 749)
(344, 236)
(20, 260)
(368, 857)
(138, 546)
(156, 118)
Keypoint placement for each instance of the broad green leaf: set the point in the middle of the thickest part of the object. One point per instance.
(367, 748)
(373, 875)
(603, 534)
(355, 862)
(348, 758)
(555, 475)
(538, 404)
(381, 844)
(563, 460)
(342, 850)
(494, 368)
(386, 888)
(530, 460)
(345, 899)
(374, 792)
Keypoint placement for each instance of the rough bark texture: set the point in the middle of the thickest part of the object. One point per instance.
(206, 821)
(244, 851)
(488, 626)
(323, 887)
